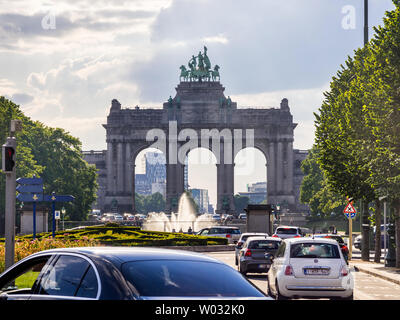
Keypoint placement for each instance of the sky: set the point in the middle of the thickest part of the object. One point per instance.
(64, 61)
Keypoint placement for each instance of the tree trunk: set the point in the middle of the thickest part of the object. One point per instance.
(365, 231)
(397, 231)
(378, 214)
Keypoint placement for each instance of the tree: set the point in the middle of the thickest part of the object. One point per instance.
(383, 113)
(52, 154)
(241, 203)
(315, 191)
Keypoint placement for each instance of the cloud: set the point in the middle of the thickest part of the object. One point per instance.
(21, 98)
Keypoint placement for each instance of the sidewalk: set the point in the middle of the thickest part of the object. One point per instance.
(377, 270)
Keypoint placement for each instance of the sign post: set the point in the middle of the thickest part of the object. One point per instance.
(350, 212)
(30, 190)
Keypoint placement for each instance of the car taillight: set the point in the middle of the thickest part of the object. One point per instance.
(228, 235)
(247, 253)
(344, 272)
(275, 236)
(345, 249)
(288, 270)
(298, 236)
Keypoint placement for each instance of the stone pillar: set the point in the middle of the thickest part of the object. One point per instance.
(111, 174)
(279, 168)
(120, 167)
(128, 169)
(271, 173)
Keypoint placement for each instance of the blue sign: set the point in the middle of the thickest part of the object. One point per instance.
(29, 181)
(30, 188)
(30, 197)
(58, 198)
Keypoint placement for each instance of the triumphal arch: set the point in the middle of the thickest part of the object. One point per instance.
(199, 114)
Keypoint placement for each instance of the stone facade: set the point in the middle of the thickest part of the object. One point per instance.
(198, 106)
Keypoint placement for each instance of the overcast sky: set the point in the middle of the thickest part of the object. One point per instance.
(64, 61)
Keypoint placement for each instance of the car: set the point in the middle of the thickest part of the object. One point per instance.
(108, 217)
(309, 267)
(231, 233)
(358, 239)
(129, 217)
(242, 240)
(357, 242)
(242, 216)
(286, 232)
(118, 217)
(339, 239)
(123, 273)
(216, 217)
(252, 256)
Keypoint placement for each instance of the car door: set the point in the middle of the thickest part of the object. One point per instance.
(19, 282)
(69, 276)
(277, 264)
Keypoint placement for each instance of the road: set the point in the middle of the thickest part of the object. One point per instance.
(367, 287)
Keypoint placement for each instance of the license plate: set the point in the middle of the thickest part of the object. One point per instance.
(316, 271)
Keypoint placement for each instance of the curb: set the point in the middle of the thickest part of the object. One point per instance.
(376, 274)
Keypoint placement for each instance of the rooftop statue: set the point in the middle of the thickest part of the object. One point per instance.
(199, 69)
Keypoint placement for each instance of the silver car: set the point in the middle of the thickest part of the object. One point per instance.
(242, 240)
(252, 258)
(286, 232)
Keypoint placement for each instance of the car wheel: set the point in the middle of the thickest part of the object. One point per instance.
(278, 294)
(346, 298)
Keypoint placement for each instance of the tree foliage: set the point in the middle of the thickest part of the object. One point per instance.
(52, 154)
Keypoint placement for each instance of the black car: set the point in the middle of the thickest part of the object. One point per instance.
(122, 273)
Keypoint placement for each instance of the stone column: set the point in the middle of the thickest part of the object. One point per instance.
(120, 167)
(279, 167)
(271, 173)
(128, 169)
(111, 188)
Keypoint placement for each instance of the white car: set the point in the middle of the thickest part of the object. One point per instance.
(231, 233)
(307, 267)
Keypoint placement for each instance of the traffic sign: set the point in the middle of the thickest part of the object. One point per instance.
(30, 188)
(57, 215)
(350, 211)
(30, 197)
(30, 181)
(58, 198)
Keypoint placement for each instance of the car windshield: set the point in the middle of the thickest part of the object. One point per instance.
(264, 244)
(286, 231)
(314, 250)
(187, 278)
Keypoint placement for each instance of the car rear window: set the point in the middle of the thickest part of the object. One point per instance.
(314, 250)
(286, 231)
(264, 244)
(187, 278)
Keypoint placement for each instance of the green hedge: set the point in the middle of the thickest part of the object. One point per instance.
(117, 235)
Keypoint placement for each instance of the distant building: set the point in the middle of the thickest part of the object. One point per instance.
(200, 196)
(256, 192)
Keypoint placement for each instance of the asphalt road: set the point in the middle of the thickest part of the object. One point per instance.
(367, 287)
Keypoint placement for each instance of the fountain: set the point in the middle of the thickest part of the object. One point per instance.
(185, 219)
